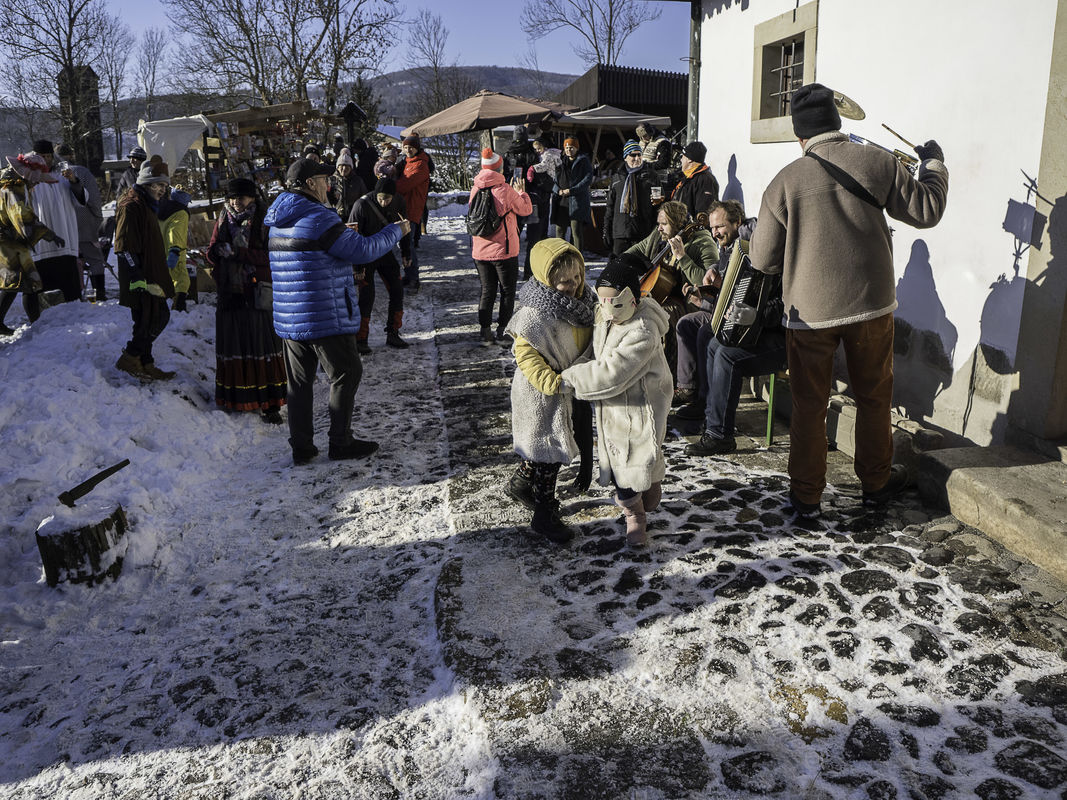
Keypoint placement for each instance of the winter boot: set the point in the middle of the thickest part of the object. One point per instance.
(548, 523)
(650, 496)
(362, 336)
(155, 373)
(486, 336)
(132, 365)
(392, 330)
(179, 302)
(521, 490)
(633, 510)
(98, 286)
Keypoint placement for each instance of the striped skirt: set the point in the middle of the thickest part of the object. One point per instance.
(249, 367)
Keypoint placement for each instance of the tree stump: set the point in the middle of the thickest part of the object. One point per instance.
(83, 545)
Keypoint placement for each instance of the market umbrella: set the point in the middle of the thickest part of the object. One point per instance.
(483, 111)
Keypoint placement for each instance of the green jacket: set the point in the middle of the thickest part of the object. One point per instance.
(701, 254)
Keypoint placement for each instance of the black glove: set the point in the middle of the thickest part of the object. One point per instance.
(582, 419)
(930, 150)
(59, 240)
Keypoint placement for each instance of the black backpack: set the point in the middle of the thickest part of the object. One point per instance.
(482, 219)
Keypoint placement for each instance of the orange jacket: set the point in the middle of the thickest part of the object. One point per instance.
(413, 184)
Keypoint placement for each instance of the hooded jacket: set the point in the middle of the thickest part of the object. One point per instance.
(311, 258)
(629, 382)
(505, 242)
(413, 184)
(541, 425)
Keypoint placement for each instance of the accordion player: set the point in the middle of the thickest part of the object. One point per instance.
(750, 301)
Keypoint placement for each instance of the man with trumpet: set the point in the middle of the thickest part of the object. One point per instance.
(822, 225)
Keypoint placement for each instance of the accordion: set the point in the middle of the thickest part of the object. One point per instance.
(745, 284)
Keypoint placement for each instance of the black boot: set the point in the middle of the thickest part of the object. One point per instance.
(99, 287)
(548, 523)
(179, 302)
(521, 490)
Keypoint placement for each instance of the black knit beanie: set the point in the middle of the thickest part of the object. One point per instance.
(385, 186)
(814, 111)
(624, 272)
(695, 151)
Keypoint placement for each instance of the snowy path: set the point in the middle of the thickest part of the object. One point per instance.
(386, 629)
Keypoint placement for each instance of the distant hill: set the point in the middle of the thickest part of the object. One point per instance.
(398, 89)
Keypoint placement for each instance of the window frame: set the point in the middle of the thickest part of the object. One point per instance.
(800, 25)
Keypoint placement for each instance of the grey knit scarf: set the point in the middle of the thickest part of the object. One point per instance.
(577, 311)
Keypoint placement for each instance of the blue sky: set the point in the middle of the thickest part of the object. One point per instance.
(487, 32)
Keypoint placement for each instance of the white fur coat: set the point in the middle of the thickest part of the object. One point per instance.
(629, 382)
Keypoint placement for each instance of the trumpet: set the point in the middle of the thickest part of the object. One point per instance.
(909, 161)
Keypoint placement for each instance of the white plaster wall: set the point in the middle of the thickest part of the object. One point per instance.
(972, 74)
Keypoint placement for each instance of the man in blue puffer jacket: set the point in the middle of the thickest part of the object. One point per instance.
(316, 305)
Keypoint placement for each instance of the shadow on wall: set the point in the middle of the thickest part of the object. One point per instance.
(1050, 283)
(734, 190)
(924, 341)
(718, 6)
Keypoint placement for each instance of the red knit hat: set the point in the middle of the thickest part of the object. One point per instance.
(491, 160)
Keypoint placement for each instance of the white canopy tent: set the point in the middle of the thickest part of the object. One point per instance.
(171, 138)
(619, 120)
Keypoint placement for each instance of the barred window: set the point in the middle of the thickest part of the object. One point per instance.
(784, 56)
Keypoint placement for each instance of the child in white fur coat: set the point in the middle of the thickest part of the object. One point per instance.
(629, 382)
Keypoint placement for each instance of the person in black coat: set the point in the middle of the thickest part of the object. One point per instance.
(696, 187)
(370, 214)
(366, 157)
(629, 215)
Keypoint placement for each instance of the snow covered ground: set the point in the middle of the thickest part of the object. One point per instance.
(385, 628)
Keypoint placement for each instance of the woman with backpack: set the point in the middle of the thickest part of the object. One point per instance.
(494, 206)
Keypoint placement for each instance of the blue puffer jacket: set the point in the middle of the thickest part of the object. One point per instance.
(311, 258)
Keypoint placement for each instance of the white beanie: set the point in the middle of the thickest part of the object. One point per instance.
(345, 157)
(491, 160)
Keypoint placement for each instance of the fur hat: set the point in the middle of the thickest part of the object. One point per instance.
(385, 186)
(631, 147)
(695, 151)
(814, 111)
(345, 157)
(240, 187)
(491, 160)
(624, 272)
(153, 171)
(43, 147)
(32, 168)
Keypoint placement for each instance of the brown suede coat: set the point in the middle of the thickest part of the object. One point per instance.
(137, 231)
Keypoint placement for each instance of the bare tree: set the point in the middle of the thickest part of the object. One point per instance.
(113, 62)
(441, 84)
(47, 42)
(602, 25)
(149, 58)
(23, 90)
(531, 66)
(270, 50)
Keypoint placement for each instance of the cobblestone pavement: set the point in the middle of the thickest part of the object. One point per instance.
(394, 632)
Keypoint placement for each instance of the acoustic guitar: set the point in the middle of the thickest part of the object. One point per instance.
(660, 282)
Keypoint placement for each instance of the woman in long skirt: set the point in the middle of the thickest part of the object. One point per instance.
(250, 369)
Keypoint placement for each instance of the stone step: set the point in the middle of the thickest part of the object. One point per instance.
(1014, 496)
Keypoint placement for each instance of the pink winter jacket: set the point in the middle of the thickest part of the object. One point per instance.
(509, 203)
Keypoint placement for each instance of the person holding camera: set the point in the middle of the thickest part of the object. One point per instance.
(496, 250)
